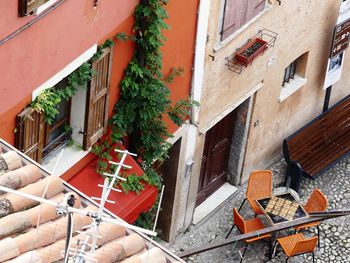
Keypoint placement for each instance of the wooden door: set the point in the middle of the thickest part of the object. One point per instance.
(215, 157)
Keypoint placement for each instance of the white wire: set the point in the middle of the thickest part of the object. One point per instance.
(44, 194)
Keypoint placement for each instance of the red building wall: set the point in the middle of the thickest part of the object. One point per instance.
(39, 52)
(179, 47)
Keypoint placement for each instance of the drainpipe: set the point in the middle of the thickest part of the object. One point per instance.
(196, 91)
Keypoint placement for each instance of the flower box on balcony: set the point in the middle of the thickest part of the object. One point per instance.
(251, 50)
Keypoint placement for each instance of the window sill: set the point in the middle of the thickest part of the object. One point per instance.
(71, 155)
(45, 6)
(291, 87)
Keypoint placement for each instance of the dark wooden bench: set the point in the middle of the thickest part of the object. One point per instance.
(322, 142)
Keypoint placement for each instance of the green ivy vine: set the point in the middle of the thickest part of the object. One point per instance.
(135, 183)
(145, 96)
(144, 101)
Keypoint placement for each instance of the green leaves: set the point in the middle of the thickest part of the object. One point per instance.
(132, 183)
(144, 100)
(145, 97)
(135, 69)
(135, 183)
(47, 102)
(121, 36)
(181, 109)
(173, 73)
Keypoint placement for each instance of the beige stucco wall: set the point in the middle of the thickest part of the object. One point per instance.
(302, 26)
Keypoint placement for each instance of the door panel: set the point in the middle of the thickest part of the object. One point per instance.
(30, 133)
(215, 157)
(168, 171)
(98, 99)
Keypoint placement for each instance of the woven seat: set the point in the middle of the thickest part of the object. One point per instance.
(317, 202)
(259, 186)
(247, 226)
(297, 244)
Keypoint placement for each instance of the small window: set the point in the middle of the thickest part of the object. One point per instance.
(237, 13)
(294, 77)
(289, 72)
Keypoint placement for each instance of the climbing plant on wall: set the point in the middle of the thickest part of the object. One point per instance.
(144, 99)
(145, 96)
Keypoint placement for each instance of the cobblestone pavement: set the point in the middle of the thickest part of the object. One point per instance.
(335, 233)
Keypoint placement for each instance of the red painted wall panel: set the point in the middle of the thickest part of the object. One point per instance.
(178, 50)
(48, 46)
(39, 52)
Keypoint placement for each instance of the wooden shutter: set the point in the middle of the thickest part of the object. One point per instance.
(98, 100)
(233, 14)
(26, 7)
(30, 133)
(254, 8)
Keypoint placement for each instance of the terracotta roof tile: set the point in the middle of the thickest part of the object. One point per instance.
(21, 242)
(20, 221)
(13, 203)
(46, 234)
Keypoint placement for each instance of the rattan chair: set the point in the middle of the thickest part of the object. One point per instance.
(317, 202)
(247, 226)
(297, 244)
(259, 186)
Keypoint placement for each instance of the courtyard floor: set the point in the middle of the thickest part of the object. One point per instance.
(335, 233)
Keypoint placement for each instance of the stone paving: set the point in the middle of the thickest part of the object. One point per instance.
(335, 233)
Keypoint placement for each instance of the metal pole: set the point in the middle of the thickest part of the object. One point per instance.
(327, 98)
(158, 210)
(88, 213)
(313, 217)
(28, 196)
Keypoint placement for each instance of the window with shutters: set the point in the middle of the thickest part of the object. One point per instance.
(39, 139)
(83, 118)
(237, 13)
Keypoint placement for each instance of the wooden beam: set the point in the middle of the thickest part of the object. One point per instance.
(313, 217)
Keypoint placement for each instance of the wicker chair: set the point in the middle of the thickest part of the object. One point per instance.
(259, 186)
(317, 202)
(247, 226)
(297, 244)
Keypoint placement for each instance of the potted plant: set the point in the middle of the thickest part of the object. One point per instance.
(251, 50)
